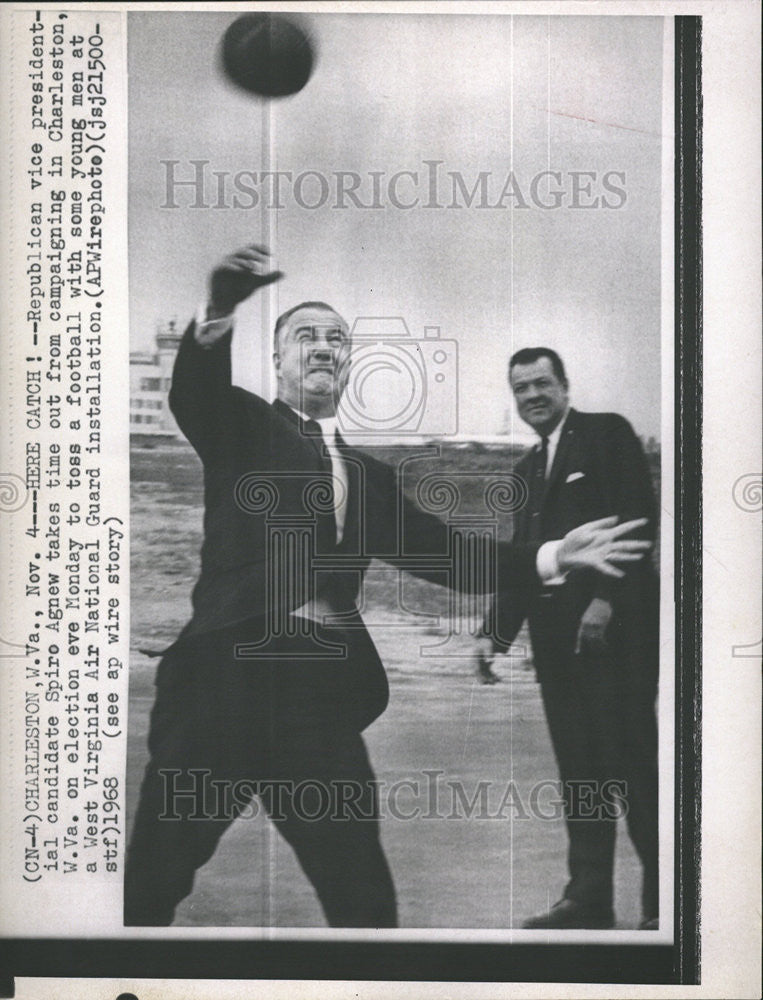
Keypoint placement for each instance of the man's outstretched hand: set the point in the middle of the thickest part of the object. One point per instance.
(236, 277)
(600, 545)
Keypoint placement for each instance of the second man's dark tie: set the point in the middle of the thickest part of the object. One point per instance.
(537, 489)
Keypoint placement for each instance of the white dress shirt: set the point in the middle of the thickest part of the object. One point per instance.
(338, 470)
(547, 561)
(553, 442)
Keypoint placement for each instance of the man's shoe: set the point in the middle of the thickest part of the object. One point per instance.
(651, 924)
(568, 914)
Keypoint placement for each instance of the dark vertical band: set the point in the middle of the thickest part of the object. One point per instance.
(688, 491)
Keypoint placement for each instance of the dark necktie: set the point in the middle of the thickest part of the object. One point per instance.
(537, 489)
(313, 430)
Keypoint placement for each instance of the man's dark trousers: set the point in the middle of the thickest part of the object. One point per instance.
(600, 713)
(285, 727)
(599, 703)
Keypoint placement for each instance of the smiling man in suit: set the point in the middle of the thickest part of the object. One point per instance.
(595, 640)
(266, 692)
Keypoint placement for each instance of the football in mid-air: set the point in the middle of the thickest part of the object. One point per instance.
(270, 55)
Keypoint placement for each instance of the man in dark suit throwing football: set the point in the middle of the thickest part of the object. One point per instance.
(266, 692)
(595, 640)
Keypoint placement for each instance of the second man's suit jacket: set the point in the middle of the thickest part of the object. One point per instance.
(599, 469)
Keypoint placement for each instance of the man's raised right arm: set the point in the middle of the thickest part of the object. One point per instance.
(200, 397)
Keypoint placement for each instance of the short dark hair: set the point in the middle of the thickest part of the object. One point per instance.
(529, 355)
(286, 316)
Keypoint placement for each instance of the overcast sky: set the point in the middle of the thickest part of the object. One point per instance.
(482, 94)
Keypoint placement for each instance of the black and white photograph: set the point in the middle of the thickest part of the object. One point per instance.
(400, 375)
(380, 500)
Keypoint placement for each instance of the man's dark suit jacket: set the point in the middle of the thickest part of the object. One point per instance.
(258, 462)
(599, 469)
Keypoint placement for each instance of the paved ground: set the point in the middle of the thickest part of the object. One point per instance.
(490, 870)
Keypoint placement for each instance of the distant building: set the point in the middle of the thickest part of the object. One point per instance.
(150, 380)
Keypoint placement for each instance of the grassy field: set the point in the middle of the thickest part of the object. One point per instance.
(457, 872)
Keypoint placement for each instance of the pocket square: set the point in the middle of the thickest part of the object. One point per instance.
(573, 476)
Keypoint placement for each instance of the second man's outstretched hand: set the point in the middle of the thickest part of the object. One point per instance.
(601, 546)
(237, 276)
